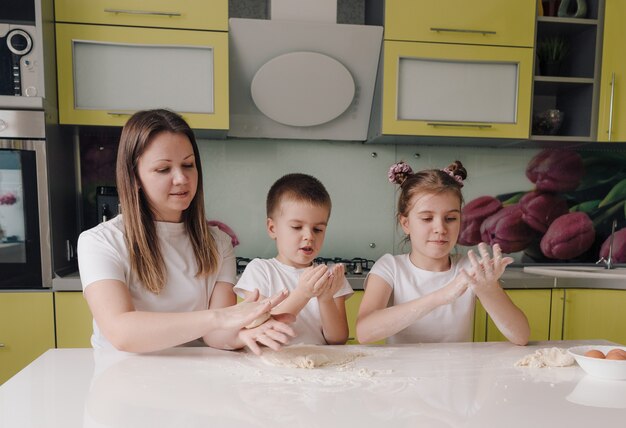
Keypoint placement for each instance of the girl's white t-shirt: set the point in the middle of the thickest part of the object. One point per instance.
(271, 276)
(102, 254)
(448, 323)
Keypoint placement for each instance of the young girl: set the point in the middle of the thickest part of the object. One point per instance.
(157, 275)
(428, 295)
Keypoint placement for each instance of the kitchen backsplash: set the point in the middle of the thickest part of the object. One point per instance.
(566, 220)
(238, 174)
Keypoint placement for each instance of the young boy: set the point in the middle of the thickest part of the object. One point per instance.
(298, 209)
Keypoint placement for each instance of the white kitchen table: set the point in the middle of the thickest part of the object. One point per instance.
(426, 385)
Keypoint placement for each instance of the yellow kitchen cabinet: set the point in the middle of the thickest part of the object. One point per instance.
(26, 329)
(106, 73)
(568, 76)
(352, 311)
(453, 90)
(73, 320)
(187, 14)
(612, 109)
(485, 22)
(594, 314)
(536, 305)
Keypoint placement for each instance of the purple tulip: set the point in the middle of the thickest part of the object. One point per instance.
(555, 170)
(568, 236)
(507, 229)
(619, 247)
(539, 210)
(474, 213)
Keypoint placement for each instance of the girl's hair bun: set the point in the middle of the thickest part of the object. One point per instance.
(456, 171)
(399, 172)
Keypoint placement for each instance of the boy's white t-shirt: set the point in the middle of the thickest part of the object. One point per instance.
(448, 323)
(102, 254)
(271, 276)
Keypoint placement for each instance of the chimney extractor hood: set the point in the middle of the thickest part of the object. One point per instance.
(301, 80)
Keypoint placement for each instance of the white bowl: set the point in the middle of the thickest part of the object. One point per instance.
(605, 369)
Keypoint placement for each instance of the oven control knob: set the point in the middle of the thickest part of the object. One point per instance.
(31, 91)
(19, 42)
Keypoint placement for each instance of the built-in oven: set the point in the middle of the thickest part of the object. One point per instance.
(25, 254)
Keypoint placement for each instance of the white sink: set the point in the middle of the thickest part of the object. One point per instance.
(597, 272)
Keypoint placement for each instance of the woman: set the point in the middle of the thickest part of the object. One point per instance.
(157, 275)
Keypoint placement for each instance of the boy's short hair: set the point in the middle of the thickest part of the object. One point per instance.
(298, 187)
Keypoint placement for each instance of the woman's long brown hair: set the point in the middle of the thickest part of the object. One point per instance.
(141, 236)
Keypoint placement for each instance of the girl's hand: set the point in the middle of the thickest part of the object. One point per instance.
(337, 277)
(313, 281)
(487, 269)
(455, 288)
(273, 333)
(239, 316)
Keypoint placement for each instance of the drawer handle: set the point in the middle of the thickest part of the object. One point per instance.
(461, 30)
(142, 12)
(461, 125)
(118, 113)
(1, 345)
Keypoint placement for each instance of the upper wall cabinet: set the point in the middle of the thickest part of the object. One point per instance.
(463, 69)
(186, 14)
(612, 121)
(566, 81)
(485, 22)
(107, 72)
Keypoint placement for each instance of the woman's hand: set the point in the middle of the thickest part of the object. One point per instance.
(487, 270)
(245, 313)
(274, 333)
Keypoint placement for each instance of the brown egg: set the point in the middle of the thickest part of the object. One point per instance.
(594, 353)
(616, 354)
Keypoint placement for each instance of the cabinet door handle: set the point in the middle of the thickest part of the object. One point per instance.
(611, 105)
(118, 113)
(461, 30)
(461, 125)
(142, 12)
(1, 345)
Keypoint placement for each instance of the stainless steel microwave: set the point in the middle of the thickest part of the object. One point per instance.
(25, 252)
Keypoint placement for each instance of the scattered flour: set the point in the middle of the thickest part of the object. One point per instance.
(309, 356)
(546, 357)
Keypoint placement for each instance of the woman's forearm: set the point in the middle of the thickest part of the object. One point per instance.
(138, 331)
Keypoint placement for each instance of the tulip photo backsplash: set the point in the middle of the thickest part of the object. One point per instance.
(564, 216)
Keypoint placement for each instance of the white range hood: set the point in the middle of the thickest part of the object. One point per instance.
(302, 80)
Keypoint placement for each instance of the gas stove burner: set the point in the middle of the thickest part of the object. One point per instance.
(241, 263)
(355, 266)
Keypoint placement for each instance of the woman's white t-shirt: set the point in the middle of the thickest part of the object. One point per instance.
(448, 323)
(102, 254)
(271, 276)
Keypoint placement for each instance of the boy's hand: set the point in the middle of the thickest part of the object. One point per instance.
(337, 275)
(313, 281)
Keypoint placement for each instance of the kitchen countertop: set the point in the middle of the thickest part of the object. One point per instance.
(513, 278)
(451, 385)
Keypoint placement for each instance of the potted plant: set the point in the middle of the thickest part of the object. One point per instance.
(551, 52)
